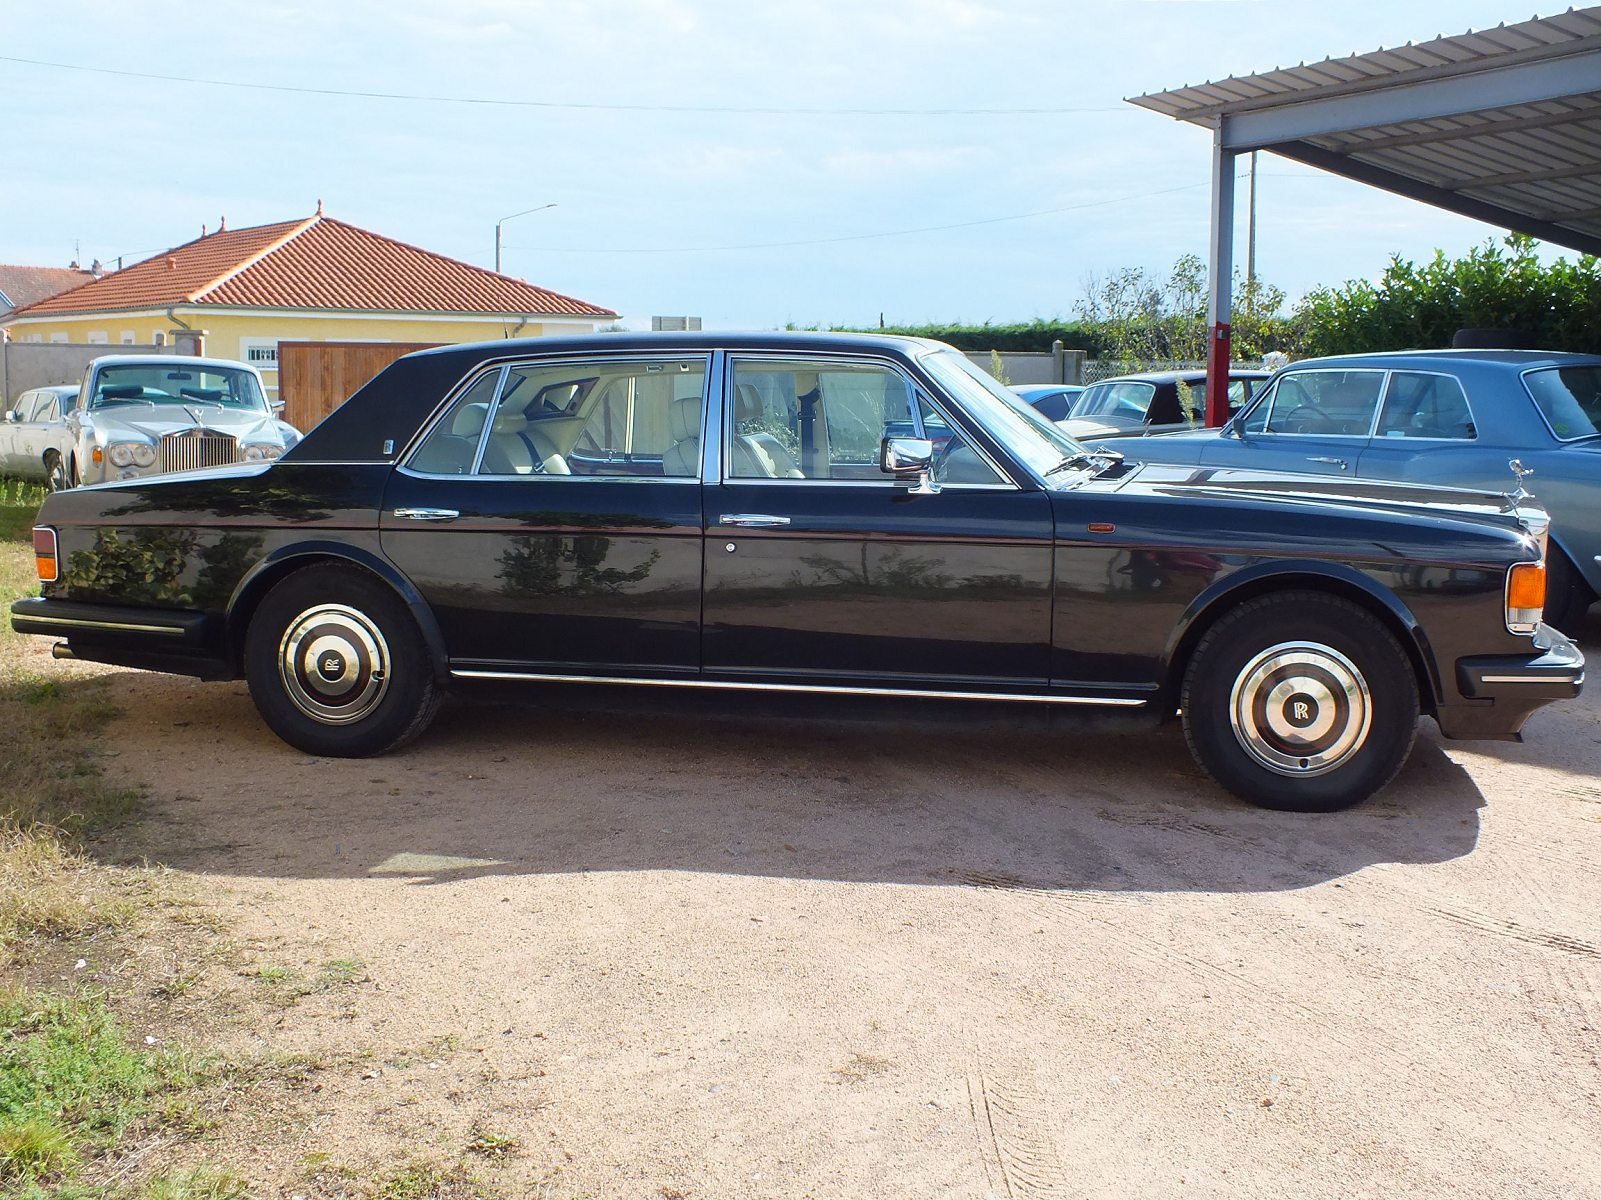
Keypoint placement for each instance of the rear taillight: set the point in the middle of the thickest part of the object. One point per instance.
(1525, 597)
(44, 554)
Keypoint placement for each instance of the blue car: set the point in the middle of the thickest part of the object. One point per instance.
(1052, 399)
(1455, 418)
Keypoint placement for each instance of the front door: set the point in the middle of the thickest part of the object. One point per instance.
(1313, 422)
(821, 569)
(551, 517)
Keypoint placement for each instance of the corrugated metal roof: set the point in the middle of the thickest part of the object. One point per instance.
(1539, 161)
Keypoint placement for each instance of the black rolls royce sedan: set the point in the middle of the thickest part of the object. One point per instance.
(804, 512)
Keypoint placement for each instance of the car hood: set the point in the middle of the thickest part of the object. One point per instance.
(1083, 428)
(1312, 491)
(155, 423)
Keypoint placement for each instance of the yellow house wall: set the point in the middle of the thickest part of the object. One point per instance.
(228, 333)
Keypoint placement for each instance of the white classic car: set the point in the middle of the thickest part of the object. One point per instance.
(148, 415)
(34, 438)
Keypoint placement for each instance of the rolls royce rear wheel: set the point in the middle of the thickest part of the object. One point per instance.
(1300, 701)
(337, 666)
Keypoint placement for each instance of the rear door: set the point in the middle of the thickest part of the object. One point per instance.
(551, 517)
(1427, 434)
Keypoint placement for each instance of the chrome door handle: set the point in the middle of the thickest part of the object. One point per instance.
(752, 520)
(1333, 462)
(427, 514)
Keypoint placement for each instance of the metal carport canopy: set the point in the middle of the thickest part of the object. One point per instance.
(1503, 126)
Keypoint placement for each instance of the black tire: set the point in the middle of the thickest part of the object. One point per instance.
(1567, 596)
(337, 666)
(1300, 701)
(55, 472)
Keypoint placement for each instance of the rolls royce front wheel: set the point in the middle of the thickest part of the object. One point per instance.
(337, 666)
(1300, 701)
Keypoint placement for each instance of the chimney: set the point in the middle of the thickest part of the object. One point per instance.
(96, 269)
(172, 263)
(319, 207)
(222, 224)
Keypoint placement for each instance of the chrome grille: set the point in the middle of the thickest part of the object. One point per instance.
(195, 448)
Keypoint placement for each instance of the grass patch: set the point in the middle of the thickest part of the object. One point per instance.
(49, 891)
(423, 1180)
(72, 1087)
(19, 504)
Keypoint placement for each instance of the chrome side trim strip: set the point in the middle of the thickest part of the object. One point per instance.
(85, 623)
(1522, 679)
(828, 689)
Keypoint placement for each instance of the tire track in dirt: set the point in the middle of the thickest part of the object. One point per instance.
(1020, 1159)
(1521, 933)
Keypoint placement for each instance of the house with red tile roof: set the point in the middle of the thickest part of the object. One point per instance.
(21, 286)
(316, 279)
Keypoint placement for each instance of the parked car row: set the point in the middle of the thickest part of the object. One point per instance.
(136, 415)
(817, 513)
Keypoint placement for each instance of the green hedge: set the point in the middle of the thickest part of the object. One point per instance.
(1036, 335)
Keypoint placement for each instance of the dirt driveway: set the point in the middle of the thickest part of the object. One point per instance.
(735, 954)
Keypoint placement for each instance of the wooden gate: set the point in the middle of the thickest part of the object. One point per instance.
(314, 378)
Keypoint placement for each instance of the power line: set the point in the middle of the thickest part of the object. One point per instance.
(860, 237)
(564, 104)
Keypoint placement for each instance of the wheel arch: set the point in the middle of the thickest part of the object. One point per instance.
(279, 565)
(1334, 579)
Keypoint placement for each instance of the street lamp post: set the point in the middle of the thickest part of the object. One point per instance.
(503, 220)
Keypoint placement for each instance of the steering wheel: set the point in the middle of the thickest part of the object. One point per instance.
(1321, 422)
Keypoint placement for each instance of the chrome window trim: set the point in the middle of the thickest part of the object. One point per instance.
(1523, 378)
(711, 420)
(533, 476)
(510, 363)
(726, 449)
(1385, 397)
(827, 689)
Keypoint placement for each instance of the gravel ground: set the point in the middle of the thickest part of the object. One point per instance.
(730, 952)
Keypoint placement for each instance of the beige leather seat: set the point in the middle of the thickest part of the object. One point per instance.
(683, 423)
(759, 455)
(452, 453)
(516, 448)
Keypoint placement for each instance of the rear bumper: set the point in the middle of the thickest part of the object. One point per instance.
(1501, 693)
(153, 639)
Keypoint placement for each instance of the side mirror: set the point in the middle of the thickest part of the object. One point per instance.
(910, 459)
(276, 407)
(11, 416)
(1236, 425)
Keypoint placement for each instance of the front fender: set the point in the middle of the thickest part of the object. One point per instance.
(1283, 574)
(275, 566)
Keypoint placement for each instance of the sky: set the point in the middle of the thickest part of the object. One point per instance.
(831, 182)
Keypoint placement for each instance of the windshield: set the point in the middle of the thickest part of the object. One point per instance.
(167, 383)
(1007, 417)
(1130, 400)
(1569, 398)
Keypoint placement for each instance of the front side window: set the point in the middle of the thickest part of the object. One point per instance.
(585, 418)
(1320, 403)
(807, 419)
(1417, 405)
(163, 384)
(1569, 398)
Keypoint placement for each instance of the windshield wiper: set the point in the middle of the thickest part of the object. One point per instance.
(1097, 460)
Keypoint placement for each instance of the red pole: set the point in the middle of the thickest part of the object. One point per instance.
(1217, 376)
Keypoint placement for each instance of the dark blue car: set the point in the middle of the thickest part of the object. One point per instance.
(1440, 417)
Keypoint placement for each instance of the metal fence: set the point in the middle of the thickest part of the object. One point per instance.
(1097, 369)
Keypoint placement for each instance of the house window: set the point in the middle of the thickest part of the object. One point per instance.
(57, 339)
(128, 336)
(99, 337)
(36, 337)
(261, 353)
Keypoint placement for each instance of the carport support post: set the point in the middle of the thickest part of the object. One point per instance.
(1219, 300)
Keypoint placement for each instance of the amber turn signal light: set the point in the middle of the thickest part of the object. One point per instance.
(1526, 587)
(44, 554)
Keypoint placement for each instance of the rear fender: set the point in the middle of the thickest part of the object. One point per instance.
(282, 562)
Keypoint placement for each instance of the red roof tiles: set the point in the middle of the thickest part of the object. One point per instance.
(315, 263)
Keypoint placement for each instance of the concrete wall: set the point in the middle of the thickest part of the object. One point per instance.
(25, 365)
(1057, 366)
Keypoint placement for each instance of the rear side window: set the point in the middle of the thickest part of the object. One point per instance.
(1320, 403)
(1569, 398)
(1426, 406)
(1130, 400)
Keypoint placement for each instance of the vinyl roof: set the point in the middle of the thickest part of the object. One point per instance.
(1503, 125)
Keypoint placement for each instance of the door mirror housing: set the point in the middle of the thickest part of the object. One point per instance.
(276, 407)
(11, 416)
(910, 459)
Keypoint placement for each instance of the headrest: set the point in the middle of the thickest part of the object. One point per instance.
(747, 402)
(469, 422)
(509, 422)
(683, 418)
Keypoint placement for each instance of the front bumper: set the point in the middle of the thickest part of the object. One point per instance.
(1500, 693)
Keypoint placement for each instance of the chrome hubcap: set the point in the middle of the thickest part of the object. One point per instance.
(1300, 708)
(334, 664)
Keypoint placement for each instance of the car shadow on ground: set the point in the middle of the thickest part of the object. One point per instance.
(917, 794)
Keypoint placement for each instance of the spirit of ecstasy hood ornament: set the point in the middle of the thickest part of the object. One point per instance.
(1520, 472)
